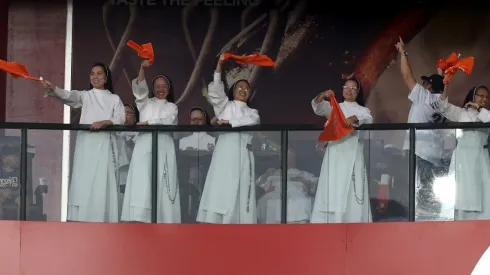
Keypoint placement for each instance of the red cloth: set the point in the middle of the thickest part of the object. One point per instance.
(144, 51)
(256, 59)
(16, 70)
(453, 63)
(335, 127)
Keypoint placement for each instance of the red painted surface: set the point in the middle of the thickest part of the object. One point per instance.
(36, 38)
(341, 249)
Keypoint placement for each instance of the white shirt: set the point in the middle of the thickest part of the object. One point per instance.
(155, 111)
(236, 112)
(198, 141)
(96, 105)
(425, 109)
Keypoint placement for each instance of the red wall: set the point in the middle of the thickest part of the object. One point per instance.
(36, 248)
(36, 37)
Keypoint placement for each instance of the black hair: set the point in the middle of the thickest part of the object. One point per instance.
(108, 76)
(170, 95)
(135, 110)
(360, 95)
(471, 94)
(206, 116)
(231, 90)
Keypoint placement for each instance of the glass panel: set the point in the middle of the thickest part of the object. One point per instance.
(10, 175)
(44, 162)
(195, 150)
(434, 187)
(387, 169)
(100, 168)
(305, 156)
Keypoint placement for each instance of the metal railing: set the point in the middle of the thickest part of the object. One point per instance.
(284, 129)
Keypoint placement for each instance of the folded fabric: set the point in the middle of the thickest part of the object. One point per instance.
(256, 59)
(17, 70)
(335, 127)
(453, 63)
(144, 51)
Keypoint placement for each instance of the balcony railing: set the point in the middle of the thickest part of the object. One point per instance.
(282, 144)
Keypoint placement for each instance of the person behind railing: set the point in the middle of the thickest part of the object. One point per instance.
(470, 161)
(342, 193)
(229, 190)
(125, 146)
(300, 187)
(158, 109)
(198, 140)
(93, 194)
(10, 183)
(429, 144)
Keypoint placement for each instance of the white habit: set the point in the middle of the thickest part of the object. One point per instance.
(300, 203)
(137, 198)
(470, 164)
(229, 190)
(201, 141)
(342, 194)
(125, 153)
(93, 192)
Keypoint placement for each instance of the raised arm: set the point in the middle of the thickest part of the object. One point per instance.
(449, 110)
(216, 90)
(140, 87)
(70, 98)
(405, 68)
(320, 106)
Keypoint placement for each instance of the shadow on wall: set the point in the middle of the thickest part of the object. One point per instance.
(445, 34)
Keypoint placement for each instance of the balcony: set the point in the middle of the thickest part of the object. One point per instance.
(282, 196)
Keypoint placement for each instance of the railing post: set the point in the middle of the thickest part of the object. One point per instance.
(412, 165)
(154, 176)
(23, 174)
(284, 176)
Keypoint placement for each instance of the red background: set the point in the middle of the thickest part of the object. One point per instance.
(341, 249)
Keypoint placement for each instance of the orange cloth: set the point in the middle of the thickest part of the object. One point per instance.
(144, 51)
(256, 59)
(453, 63)
(16, 70)
(335, 127)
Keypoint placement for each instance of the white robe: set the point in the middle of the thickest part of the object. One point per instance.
(93, 192)
(470, 164)
(342, 195)
(300, 203)
(229, 190)
(137, 198)
(125, 153)
(197, 141)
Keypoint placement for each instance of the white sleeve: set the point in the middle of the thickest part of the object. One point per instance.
(321, 109)
(451, 112)
(216, 94)
(251, 118)
(140, 92)
(119, 113)
(167, 117)
(365, 117)
(70, 98)
(484, 115)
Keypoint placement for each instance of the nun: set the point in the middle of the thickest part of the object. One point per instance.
(229, 190)
(342, 195)
(157, 109)
(470, 161)
(93, 193)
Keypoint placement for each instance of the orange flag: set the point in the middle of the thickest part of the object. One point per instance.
(17, 70)
(453, 63)
(256, 59)
(144, 51)
(335, 128)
